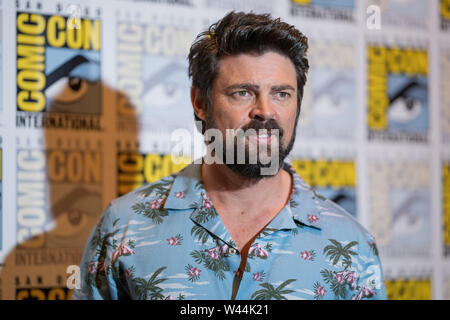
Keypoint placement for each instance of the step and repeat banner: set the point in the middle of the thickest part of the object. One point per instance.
(92, 92)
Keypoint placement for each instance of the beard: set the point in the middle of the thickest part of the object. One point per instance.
(258, 169)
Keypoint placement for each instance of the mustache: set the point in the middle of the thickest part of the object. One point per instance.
(268, 125)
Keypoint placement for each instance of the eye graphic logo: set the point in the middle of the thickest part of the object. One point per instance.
(164, 88)
(73, 86)
(342, 10)
(397, 94)
(329, 104)
(407, 217)
(445, 15)
(329, 96)
(74, 216)
(345, 197)
(407, 103)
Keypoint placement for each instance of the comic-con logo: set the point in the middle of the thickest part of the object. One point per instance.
(333, 179)
(445, 14)
(340, 10)
(58, 188)
(1, 66)
(399, 204)
(408, 288)
(151, 72)
(135, 169)
(397, 94)
(58, 72)
(401, 13)
(1, 196)
(446, 206)
(445, 95)
(329, 99)
(55, 293)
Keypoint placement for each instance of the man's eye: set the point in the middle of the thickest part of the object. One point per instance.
(241, 94)
(282, 95)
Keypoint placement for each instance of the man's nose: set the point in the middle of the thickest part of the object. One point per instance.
(262, 110)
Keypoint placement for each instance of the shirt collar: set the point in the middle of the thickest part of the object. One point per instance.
(302, 209)
(186, 188)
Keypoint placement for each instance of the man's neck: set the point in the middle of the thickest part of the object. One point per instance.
(229, 186)
(245, 205)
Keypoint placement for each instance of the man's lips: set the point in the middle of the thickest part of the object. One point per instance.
(263, 137)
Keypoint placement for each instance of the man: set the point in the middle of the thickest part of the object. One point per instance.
(223, 229)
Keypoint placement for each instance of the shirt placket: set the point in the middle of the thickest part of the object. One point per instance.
(248, 281)
(240, 272)
(243, 281)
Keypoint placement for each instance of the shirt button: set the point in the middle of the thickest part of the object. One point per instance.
(232, 251)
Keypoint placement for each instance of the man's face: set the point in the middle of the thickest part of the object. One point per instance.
(255, 92)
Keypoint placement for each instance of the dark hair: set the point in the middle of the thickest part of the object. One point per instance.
(245, 33)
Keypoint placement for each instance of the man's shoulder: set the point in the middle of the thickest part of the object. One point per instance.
(324, 213)
(153, 194)
(339, 220)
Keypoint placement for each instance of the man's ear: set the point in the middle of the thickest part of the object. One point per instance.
(198, 103)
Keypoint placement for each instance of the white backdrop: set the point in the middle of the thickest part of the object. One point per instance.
(91, 92)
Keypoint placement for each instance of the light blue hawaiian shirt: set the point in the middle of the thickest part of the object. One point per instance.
(166, 241)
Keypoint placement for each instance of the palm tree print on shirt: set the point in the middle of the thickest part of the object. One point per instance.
(160, 188)
(151, 210)
(336, 251)
(340, 281)
(148, 289)
(212, 260)
(192, 272)
(99, 267)
(269, 292)
(206, 211)
(154, 209)
(319, 291)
